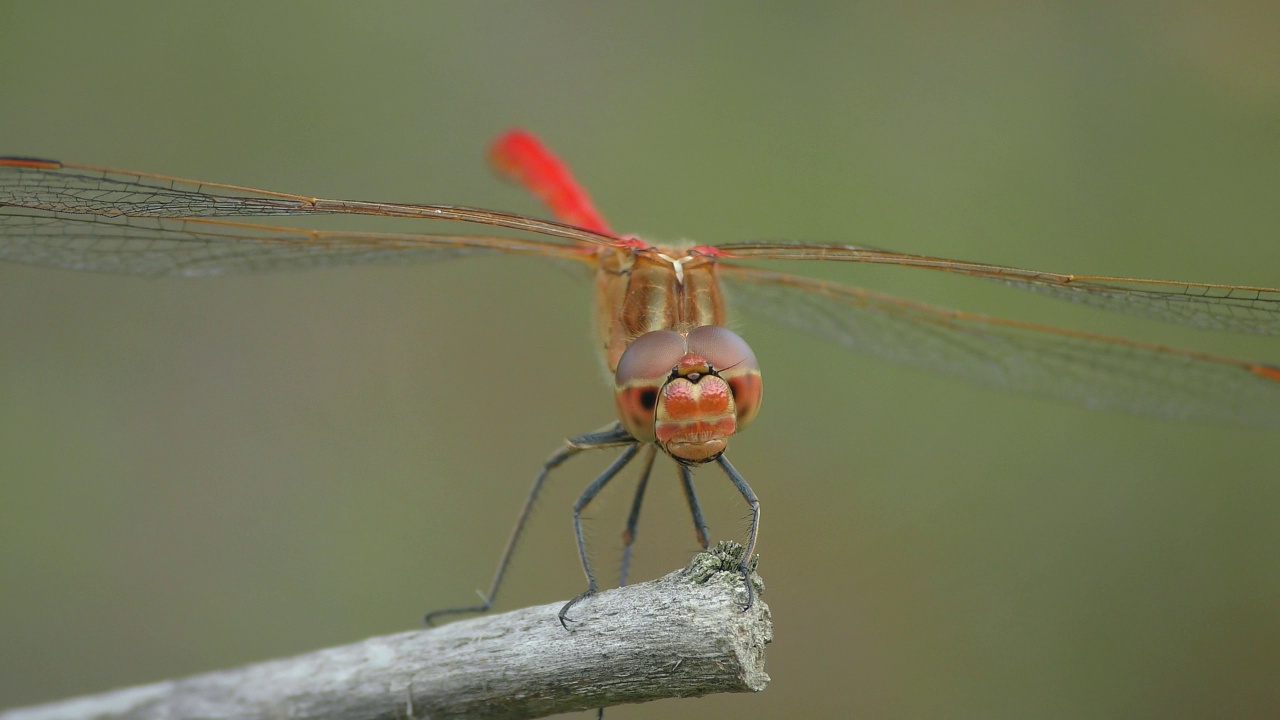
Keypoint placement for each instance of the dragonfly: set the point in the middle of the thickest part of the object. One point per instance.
(684, 383)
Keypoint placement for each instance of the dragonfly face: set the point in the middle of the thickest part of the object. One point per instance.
(688, 393)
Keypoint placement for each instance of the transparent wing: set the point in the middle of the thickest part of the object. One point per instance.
(1238, 308)
(1092, 370)
(49, 186)
(85, 218)
(193, 247)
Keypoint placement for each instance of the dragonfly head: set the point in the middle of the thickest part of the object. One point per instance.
(688, 393)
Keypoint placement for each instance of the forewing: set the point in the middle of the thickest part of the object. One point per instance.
(53, 187)
(194, 247)
(1237, 308)
(1087, 369)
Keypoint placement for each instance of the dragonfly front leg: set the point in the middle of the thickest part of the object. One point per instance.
(633, 518)
(695, 508)
(743, 566)
(691, 497)
(612, 436)
(585, 499)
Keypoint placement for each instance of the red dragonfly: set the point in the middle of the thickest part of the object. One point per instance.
(683, 382)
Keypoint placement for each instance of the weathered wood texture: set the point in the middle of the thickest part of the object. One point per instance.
(681, 635)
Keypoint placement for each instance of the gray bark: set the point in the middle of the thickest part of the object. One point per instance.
(681, 635)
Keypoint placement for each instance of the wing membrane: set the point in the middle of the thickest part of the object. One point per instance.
(193, 247)
(1093, 370)
(1237, 308)
(86, 190)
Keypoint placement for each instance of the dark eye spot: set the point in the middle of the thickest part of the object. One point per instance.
(649, 398)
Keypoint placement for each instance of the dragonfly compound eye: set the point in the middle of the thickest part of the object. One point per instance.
(732, 359)
(688, 394)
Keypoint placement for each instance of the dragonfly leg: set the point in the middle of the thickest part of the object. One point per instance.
(583, 500)
(629, 534)
(609, 437)
(695, 508)
(741, 483)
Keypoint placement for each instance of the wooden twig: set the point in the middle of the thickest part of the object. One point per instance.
(681, 635)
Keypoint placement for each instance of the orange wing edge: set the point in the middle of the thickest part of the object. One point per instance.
(28, 162)
(1270, 372)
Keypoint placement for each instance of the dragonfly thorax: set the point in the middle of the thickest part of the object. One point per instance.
(641, 288)
(688, 393)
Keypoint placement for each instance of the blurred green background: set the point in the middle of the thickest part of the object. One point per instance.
(196, 474)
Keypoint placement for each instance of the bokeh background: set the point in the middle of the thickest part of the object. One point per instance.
(196, 474)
